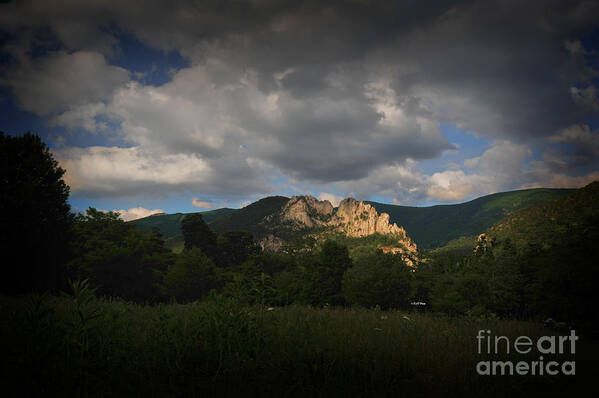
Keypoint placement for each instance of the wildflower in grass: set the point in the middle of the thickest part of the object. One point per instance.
(407, 318)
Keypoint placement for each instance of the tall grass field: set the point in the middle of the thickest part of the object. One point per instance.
(82, 346)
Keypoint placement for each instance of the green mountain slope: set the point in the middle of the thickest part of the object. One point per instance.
(573, 219)
(429, 227)
(550, 254)
(170, 224)
(249, 217)
(434, 226)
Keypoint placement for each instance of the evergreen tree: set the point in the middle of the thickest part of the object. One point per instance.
(35, 218)
(235, 247)
(324, 274)
(196, 233)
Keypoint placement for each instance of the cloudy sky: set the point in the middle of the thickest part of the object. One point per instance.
(193, 105)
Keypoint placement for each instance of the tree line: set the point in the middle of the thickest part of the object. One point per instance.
(45, 244)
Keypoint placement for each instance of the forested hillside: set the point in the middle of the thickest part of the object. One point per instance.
(538, 261)
(249, 217)
(169, 225)
(434, 226)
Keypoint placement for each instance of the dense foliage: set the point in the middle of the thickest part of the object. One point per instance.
(378, 279)
(191, 277)
(35, 218)
(542, 261)
(434, 226)
(117, 258)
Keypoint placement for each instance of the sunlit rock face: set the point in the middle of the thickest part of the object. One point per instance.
(361, 219)
(353, 218)
(307, 211)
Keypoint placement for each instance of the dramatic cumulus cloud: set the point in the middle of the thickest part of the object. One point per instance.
(496, 168)
(137, 212)
(62, 82)
(116, 171)
(347, 94)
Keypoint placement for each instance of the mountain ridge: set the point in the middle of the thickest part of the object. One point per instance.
(306, 215)
(428, 227)
(434, 226)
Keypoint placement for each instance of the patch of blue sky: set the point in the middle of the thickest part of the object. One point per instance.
(149, 66)
(15, 121)
(592, 121)
(172, 204)
(468, 146)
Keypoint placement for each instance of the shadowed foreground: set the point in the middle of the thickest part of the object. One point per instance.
(82, 346)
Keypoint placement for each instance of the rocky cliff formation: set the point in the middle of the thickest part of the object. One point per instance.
(307, 211)
(361, 219)
(353, 218)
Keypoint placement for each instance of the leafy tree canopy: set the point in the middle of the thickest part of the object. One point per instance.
(191, 277)
(121, 260)
(378, 279)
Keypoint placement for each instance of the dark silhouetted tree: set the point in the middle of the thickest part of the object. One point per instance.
(235, 247)
(196, 233)
(35, 217)
(324, 274)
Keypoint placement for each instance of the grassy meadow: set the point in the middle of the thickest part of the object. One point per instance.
(78, 345)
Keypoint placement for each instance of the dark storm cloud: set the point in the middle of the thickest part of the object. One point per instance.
(324, 91)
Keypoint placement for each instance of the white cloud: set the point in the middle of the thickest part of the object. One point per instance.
(455, 185)
(237, 134)
(137, 212)
(64, 81)
(115, 171)
(502, 161)
(106, 170)
(503, 166)
(340, 114)
(498, 168)
(405, 182)
(82, 116)
(203, 205)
